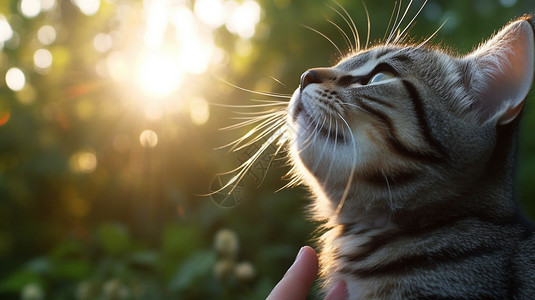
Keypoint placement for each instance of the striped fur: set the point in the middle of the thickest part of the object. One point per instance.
(413, 175)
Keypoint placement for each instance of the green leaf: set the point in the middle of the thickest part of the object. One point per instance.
(71, 269)
(197, 265)
(180, 241)
(16, 281)
(114, 239)
(144, 258)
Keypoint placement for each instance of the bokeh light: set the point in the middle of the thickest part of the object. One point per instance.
(109, 115)
(6, 33)
(243, 18)
(148, 138)
(211, 12)
(30, 8)
(102, 42)
(42, 59)
(15, 79)
(88, 7)
(46, 35)
(199, 110)
(84, 161)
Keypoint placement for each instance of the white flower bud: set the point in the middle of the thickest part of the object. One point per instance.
(244, 271)
(32, 291)
(223, 268)
(226, 243)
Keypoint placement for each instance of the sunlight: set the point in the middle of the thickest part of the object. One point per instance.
(159, 74)
(174, 44)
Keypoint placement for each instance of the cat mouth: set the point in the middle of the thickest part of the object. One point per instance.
(312, 127)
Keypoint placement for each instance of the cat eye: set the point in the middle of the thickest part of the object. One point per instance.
(381, 76)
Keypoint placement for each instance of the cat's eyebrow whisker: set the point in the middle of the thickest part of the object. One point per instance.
(390, 21)
(349, 44)
(433, 35)
(350, 23)
(326, 37)
(411, 22)
(369, 24)
(398, 24)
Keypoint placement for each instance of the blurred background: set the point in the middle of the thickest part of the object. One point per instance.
(110, 114)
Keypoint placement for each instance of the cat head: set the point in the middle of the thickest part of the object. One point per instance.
(387, 127)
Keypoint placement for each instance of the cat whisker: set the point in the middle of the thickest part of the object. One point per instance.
(278, 81)
(281, 142)
(369, 24)
(349, 44)
(353, 168)
(272, 125)
(316, 164)
(326, 37)
(249, 115)
(246, 166)
(269, 94)
(334, 148)
(252, 120)
(390, 21)
(263, 134)
(350, 23)
(270, 104)
(311, 139)
(390, 197)
(400, 36)
(354, 106)
(274, 102)
(432, 35)
(268, 122)
(398, 24)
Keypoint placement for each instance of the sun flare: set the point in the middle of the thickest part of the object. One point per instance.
(159, 74)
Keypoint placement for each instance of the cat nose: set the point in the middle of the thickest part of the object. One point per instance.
(318, 75)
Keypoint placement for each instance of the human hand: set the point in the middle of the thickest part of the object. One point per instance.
(299, 277)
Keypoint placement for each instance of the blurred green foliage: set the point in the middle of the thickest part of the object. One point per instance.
(89, 210)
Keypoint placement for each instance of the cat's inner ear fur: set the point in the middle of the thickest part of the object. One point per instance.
(501, 71)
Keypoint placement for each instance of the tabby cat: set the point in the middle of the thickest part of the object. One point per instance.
(410, 153)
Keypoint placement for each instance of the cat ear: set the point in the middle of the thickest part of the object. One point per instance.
(501, 71)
